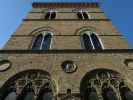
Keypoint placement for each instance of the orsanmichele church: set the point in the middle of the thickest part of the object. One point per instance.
(66, 51)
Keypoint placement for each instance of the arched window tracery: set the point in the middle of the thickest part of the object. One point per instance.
(45, 92)
(106, 84)
(29, 85)
(90, 41)
(108, 93)
(42, 41)
(27, 92)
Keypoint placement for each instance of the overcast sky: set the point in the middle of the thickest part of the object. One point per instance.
(13, 11)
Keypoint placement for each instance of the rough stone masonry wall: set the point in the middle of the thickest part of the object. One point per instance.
(66, 34)
(51, 63)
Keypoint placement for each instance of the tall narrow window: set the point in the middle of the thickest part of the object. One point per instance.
(86, 16)
(50, 15)
(87, 42)
(90, 41)
(79, 14)
(42, 41)
(83, 15)
(46, 42)
(95, 41)
(37, 42)
(53, 15)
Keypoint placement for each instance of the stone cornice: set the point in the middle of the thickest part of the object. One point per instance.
(65, 5)
(66, 20)
(64, 51)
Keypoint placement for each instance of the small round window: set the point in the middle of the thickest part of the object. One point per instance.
(4, 65)
(69, 66)
(129, 63)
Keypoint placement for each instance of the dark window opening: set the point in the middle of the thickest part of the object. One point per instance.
(42, 42)
(109, 94)
(50, 15)
(87, 42)
(96, 42)
(37, 42)
(46, 42)
(45, 92)
(85, 15)
(82, 15)
(90, 94)
(125, 92)
(53, 15)
(79, 14)
(69, 66)
(27, 93)
(68, 91)
(47, 15)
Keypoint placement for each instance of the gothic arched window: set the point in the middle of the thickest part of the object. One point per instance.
(95, 41)
(83, 15)
(46, 41)
(87, 42)
(29, 85)
(50, 15)
(37, 42)
(90, 41)
(103, 84)
(42, 41)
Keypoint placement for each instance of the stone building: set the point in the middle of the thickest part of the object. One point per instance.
(66, 51)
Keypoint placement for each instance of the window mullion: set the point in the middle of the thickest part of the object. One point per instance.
(42, 40)
(91, 41)
(50, 14)
(82, 14)
(87, 15)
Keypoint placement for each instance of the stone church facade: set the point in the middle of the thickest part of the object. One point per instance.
(66, 51)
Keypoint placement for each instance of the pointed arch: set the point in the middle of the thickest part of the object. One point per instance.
(86, 42)
(42, 41)
(37, 42)
(26, 84)
(46, 43)
(90, 40)
(103, 81)
(96, 42)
